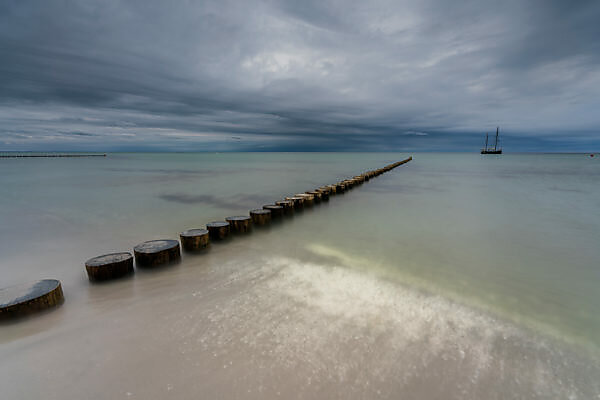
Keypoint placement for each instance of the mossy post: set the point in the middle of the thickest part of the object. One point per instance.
(239, 224)
(276, 211)
(260, 217)
(194, 239)
(21, 300)
(218, 230)
(288, 206)
(156, 252)
(109, 266)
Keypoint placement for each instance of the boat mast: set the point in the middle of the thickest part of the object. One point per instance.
(496, 145)
(486, 141)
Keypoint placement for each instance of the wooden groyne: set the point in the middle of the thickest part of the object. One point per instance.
(21, 300)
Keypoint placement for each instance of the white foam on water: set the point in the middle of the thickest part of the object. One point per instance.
(336, 326)
(260, 327)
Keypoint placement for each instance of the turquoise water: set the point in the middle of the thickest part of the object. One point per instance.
(513, 236)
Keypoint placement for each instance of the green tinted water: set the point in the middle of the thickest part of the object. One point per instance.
(513, 234)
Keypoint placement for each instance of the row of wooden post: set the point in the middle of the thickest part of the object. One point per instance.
(48, 293)
(159, 252)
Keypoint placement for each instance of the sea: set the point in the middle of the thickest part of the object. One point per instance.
(454, 276)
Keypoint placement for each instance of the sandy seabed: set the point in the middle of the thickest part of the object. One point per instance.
(276, 327)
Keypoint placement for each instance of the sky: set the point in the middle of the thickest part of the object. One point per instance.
(299, 75)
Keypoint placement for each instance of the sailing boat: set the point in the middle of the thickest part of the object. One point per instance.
(490, 150)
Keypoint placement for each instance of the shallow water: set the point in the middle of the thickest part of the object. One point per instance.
(453, 276)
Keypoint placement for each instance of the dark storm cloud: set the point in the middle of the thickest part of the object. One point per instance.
(298, 75)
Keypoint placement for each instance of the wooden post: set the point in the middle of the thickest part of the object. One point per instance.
(239, 224)
(276, 211)
(194, 239)
(324, 194)
(109, 266)
(218, 230)
(156, 252)
(332, 188)
(349, 183)
(316, 194)
(288, 206)
(309, 200)
(298, 202)
(260, 217)
(340, 187)
(21, 300)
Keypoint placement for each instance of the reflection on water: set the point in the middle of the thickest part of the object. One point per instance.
(455, 276)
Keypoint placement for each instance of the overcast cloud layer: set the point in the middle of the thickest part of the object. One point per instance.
(298, 75)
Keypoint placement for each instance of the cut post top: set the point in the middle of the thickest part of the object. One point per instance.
(154, 246)
(238, 218)
(194, 232)
(217, 224)
(108, 259)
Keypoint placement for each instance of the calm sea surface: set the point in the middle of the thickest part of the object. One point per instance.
(512, 237)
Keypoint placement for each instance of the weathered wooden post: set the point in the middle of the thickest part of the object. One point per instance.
(309, 200)
(349, 183)
(324, 194)
(156, 252)
(109, 266)
(298, 202)
(316, 194)
(332, 189)
(240, 224)
(21, 300)
(288, 206)
(260, 217)
(276, 211)
(218, 230)
(194, 239)
(340, 188)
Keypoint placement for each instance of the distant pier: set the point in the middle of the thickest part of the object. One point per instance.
(49, 155)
